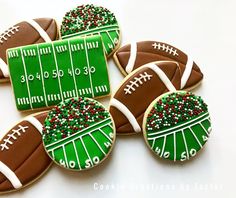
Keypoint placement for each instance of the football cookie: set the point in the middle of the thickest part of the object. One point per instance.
(78, 133)
(130, 57)
(22, 155)
(137, 92)
(88, 20)
(25, 33)
(177, 125)
(44, 74)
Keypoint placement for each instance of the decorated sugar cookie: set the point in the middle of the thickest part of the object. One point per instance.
(25, 33)
(177, 125)
(78, 133)
(22, 156)
(138, 90)
(134, 55)
(88, 20)
(44, 74)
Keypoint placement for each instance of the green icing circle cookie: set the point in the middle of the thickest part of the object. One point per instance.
(86, 20)
(177, 125)
(78, 133)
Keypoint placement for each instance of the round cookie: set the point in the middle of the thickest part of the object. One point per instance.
(88, 20)
(78, 133)
(177, 125)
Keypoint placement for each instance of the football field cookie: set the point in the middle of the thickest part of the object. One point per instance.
(44, 74)
(88, 20)
(78, 133)
(177, 125)
(134, 55)
(25, 33)
(138, 90)
(22, 155)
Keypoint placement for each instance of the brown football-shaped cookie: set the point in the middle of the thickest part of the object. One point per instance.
(138, 90)
(25, 33)
(132, 56)
(22, 155)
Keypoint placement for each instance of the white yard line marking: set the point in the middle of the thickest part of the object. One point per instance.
(110, 38)
(163, 147)
(26, 78)
(90, 78)
(196, 138)
(86, 150)
(59, 80)
(153, 144)
(185, 144)
(76, 154)
(72, 68)
(97, 144)
(174, 137)
(105, 135)
(204, 129)
(64, 152)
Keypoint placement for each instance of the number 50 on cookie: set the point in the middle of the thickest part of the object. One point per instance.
(44, 74)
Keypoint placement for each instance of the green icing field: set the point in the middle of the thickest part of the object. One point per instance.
(44, 74)
(78, 133)
(178, 126)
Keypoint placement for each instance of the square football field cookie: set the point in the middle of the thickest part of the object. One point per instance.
(44, 74)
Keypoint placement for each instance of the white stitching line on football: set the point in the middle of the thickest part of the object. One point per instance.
(8, 33)
(13, 136)
(137, 81)
(165, 48)
(20, 130)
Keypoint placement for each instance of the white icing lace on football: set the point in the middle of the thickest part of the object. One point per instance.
(13, 136)
(8, 33)
(133, 84)
(166, 48)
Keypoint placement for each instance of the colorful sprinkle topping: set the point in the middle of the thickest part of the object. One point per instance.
(72, 116)
(174, 109)
(86, 17)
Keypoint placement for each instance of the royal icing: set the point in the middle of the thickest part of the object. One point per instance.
(177, 125)
(4, 68)
(127, 113)
(92, 20)
(132, 58)
(39, 29)
(8, 33)
(138, 81)
(166, 48)
(10, 175)
(11, 137)
(78, 133)
(45, 74)
(187, 72)
(161, 75)
(35, 122)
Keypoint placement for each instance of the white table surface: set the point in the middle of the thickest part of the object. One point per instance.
(204, 29)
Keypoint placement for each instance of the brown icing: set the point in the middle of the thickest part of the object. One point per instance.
(28, 35)
(146, 53)
(138, 101)
(26, 156)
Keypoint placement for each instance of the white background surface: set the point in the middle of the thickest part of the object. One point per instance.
(204, 29)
